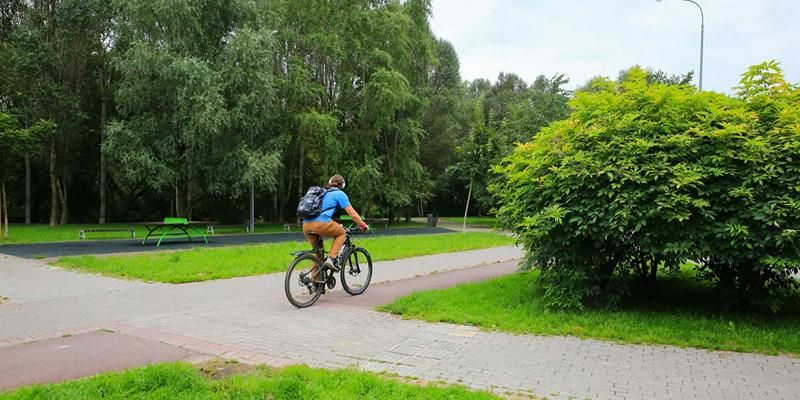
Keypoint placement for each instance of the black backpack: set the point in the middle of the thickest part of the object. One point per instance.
(310, 205)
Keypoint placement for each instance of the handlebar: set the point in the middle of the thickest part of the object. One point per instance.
(354, 230)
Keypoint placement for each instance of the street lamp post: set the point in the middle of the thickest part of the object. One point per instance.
(702, 34)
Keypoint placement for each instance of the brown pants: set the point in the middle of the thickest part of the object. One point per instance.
(325, 229)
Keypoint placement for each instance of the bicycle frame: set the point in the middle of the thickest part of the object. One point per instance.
(324, 278)
(319, 248)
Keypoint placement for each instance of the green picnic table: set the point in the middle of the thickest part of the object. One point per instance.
(173, 227)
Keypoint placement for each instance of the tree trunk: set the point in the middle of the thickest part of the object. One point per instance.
(1, 214)
(27, 189)
(5, 207)
(180, 200)
(188, 200)
(62, 196)
(53, 185)
(285, 198)
(300, 174)
(183, 201)
(102, 216)
(653, 270)
(275, 207)
(466, 209)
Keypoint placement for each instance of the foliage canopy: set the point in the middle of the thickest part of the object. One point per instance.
(644, 177)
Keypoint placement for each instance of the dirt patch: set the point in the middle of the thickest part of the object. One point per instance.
(509, 395)
(218, 368)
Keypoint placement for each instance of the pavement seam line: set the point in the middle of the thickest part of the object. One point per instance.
(203, 346)
(50, 335)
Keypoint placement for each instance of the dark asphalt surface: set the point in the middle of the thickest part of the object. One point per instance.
(59, 249)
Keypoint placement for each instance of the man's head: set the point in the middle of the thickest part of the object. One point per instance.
(337, 181)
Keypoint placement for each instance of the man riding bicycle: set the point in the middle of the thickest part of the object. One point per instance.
(323, 226)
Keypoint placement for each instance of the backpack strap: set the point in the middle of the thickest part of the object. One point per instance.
(333, 189)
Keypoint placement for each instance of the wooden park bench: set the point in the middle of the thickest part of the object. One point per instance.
(82, 232)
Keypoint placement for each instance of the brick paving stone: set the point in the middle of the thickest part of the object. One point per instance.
(249, 319)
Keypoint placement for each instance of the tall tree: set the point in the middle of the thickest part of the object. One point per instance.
(446, 121)
(190, 127)
(508, 89)
(39, 87)
(544, 102)
(9, 139)
(477, 155)
(15, 142)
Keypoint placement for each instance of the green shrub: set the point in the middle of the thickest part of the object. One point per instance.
(643, 177)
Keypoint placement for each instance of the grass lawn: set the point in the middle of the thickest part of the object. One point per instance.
(202, 264)
(486, 222)
(42, 233)
(677, 311)
(183, 381)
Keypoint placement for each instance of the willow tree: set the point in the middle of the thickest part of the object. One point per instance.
(193, 97)
(352, 89)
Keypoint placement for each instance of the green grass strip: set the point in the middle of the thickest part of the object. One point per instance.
(202, 264)
(183, 381)
(486, 222)
(677, 311)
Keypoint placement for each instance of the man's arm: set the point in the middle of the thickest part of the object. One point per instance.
(354, 215)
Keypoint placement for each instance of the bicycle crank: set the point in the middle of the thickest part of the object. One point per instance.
(331, 282)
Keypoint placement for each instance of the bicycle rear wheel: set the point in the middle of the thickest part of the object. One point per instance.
(301, 289)
(356, 272)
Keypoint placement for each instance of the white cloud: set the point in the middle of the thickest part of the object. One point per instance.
(584, 39)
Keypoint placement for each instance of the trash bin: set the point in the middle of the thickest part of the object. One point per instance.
(432, 219)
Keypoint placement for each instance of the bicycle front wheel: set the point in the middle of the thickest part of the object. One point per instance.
(301, 284)
(356, 271)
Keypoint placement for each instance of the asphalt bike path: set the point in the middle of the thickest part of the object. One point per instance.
(74, 248)
(249, 319)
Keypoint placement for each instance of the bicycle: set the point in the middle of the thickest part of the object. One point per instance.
(307, 278)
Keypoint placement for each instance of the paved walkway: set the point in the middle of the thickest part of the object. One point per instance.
(249, 319)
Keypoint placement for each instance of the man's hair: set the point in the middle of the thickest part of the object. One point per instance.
(337, 181)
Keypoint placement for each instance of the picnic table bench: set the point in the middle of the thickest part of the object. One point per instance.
(82, 232)
(174, 227)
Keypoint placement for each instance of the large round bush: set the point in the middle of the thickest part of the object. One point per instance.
(646, 177)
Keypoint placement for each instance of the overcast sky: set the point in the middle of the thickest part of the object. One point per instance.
(585, 38)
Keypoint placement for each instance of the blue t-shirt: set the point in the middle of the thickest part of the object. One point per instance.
(330, 202)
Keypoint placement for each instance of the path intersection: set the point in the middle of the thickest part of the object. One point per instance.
(51, 312)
